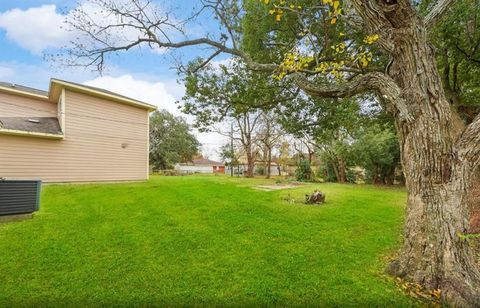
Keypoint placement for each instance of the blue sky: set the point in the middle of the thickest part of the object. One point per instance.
(29, 29)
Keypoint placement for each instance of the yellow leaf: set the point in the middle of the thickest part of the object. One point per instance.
(370, 39)
(336, 4)
(334, 20)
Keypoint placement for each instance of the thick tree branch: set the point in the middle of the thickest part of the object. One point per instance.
(437, 12)
(380, 83)
(469, 144)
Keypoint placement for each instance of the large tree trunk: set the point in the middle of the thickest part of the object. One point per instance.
(335, 170)
(342, 172)
(250, 163)
(375, 172)
(434, 253)
(474, 204)
(269, 162)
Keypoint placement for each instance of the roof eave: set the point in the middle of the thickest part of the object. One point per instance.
(14, 132)
(24, 93)
(56, 85)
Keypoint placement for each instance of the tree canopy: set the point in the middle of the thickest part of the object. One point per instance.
(171, 140)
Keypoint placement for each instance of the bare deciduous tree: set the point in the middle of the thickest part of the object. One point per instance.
(245, 130)
(269, 134)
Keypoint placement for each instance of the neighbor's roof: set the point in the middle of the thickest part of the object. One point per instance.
(32, 124)
(202, 161)
(55, 90)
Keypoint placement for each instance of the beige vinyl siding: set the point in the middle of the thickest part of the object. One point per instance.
(95, 131)
(19, 106)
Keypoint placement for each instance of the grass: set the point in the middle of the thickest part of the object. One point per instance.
(200, 240)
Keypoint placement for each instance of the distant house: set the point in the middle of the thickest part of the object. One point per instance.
(72, 133)
(201, 165)
(259, 168)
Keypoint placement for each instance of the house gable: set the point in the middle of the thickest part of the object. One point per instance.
(98, 138)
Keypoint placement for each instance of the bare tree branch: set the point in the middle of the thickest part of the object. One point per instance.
(205, 63)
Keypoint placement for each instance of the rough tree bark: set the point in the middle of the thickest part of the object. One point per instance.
(335, 170)
(342, 171)
(438, 155)
(250, 162)
(438, 175)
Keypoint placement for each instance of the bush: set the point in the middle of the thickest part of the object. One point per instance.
(304, 171)
(260, 170)
(327, 173)
(351, 176)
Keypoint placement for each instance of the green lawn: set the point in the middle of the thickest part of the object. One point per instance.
(202, 240)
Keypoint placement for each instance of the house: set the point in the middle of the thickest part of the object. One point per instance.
(258, 169)
(201, 165)
(72, 133)
(260, 166)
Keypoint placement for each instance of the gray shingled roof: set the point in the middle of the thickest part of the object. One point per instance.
(23, 88)
(32, 124)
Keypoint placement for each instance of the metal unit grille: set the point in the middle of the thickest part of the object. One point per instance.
(19, 197)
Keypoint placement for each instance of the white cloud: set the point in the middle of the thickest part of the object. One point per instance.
(38, 75)
(39, 28)
(154, 93)
(6, 72)
(211, 143)
(35, 29)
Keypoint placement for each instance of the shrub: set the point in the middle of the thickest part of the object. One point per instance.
(351, 176)
(327, 173)
(304, 171)
(260, 170)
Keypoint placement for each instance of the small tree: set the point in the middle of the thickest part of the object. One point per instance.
(378, 152)
(268, 135)
(171, 140)
(229, 156)
(233, 95)
(284, 156)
